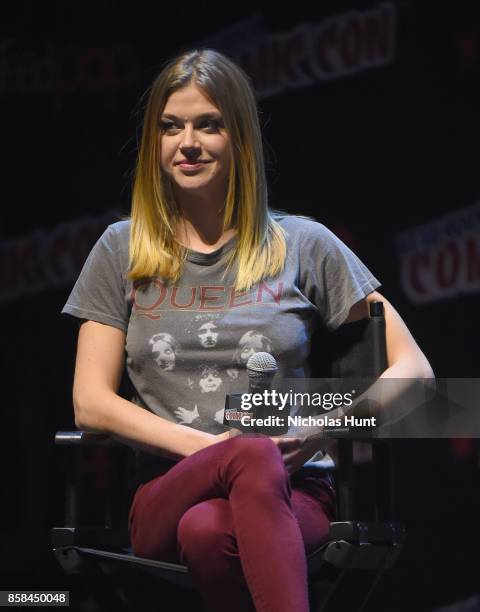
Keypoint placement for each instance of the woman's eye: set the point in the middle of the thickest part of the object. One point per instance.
(168, 126)
(211, 125)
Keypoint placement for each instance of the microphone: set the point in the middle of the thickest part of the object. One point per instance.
(261, 368)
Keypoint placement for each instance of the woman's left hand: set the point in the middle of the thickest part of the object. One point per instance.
(295, 451)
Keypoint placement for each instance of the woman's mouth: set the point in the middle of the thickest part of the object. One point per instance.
(191, 165)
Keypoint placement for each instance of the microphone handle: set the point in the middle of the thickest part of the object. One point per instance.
(259, 386)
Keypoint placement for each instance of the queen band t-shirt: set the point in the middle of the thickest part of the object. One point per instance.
(187, 343)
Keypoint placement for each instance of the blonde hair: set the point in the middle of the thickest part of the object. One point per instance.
(260, 250)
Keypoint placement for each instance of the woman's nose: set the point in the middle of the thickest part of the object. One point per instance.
(189, 141)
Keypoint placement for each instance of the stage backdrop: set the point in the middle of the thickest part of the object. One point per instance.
(371, 123)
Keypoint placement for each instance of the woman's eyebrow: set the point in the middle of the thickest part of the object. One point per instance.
(209, 115)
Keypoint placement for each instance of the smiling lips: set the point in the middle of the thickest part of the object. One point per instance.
(190, 165)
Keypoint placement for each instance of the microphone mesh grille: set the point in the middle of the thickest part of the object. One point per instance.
(261, 364)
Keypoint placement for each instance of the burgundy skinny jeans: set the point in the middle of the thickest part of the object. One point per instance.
(231, 513)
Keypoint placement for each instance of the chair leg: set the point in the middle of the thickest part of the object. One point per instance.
(350, 590)
(375, 581)
(142, 592)
(105, 590)
(323, 593)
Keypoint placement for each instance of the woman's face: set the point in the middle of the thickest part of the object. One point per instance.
(194, 144)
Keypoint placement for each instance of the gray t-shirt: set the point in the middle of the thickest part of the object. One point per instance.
(187, 344)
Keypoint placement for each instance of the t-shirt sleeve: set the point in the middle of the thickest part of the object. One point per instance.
(99, 293)
(332, 277)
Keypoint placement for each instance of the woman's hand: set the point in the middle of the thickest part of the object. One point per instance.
(295, 451)
(226, 435)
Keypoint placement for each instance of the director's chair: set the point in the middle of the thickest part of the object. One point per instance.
(357, 553)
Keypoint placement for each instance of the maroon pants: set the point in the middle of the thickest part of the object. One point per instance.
(231, 513)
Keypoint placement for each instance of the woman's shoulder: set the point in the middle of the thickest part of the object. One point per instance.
(120, 229)
(113, 245)
(301, 226)
(116, 236)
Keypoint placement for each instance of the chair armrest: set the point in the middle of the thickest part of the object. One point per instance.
(90, 458)
(82, 438)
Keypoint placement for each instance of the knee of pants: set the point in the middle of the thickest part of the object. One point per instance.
(261, 458)
(257, 450)
(203, 542)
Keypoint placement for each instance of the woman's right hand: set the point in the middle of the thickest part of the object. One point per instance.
(226, 435)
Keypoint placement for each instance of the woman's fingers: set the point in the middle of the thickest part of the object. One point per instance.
(288, 444)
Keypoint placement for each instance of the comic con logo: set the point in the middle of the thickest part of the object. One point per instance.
(62, 70)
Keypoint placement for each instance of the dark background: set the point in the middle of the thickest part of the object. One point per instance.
(370, 154)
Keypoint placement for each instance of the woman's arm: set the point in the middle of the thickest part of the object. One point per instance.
(405, 359)
(99, 408)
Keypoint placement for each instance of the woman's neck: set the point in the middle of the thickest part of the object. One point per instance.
(191, 237)
(200, 227)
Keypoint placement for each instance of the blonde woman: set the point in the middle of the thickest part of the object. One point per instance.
(202, 239)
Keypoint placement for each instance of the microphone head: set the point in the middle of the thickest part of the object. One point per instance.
(261, 366)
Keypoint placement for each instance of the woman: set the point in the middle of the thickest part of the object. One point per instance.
(202, 239)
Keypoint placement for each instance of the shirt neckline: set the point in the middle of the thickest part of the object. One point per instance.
(210, 258)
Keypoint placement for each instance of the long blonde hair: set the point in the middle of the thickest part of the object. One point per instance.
(260, 250)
